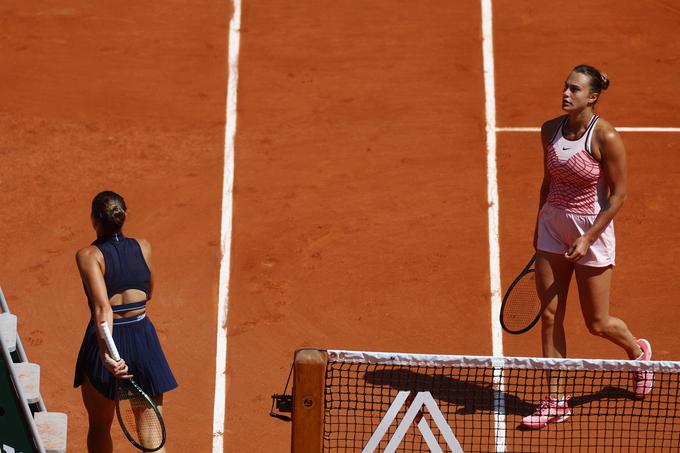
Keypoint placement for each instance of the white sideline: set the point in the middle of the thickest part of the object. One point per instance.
(492, 214)
(491, 179)
(219, 407)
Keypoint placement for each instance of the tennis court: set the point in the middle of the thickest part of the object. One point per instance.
(360, 210)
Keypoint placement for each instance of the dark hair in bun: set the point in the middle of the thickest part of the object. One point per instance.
(109, 208)
(598, 80)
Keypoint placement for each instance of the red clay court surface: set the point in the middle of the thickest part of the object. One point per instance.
(360, 210)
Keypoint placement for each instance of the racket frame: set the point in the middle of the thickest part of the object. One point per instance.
(528, 269)
(137, 389)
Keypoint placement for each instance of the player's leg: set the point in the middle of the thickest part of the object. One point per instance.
(100, 412)
(148, 432)
(553, 274)
(594, 285)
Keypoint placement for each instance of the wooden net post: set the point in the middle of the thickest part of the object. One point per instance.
(309, 375)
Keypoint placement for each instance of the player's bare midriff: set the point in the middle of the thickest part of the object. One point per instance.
(128, 296)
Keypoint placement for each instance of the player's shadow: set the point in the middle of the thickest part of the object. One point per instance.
(606, 393)
(470, 397)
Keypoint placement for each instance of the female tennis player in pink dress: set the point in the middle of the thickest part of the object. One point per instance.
(584, 186)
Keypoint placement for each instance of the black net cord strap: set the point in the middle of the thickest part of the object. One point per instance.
(383, 402)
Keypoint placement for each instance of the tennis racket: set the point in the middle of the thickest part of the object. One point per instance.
(137, 414)
(521, 307)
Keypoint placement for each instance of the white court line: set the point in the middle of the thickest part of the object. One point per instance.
(491, 179)
(219, 407)
(492, 213)
(620, 129)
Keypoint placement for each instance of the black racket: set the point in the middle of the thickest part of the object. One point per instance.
(137, 414)
(521, 307)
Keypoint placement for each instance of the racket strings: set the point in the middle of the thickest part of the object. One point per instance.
(138, 419)
(523, 305)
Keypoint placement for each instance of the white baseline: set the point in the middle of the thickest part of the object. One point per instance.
(620, 129)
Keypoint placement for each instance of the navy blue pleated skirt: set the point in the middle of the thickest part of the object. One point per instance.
(139, 346)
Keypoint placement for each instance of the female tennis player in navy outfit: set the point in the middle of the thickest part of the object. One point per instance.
(584, 186)
(118, 280)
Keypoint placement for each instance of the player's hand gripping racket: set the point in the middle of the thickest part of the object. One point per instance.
(521, 307)
(138, 415)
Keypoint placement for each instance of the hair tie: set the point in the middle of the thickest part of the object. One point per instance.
(605, 80)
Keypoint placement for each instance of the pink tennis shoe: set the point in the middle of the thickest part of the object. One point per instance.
(550, 411)
(553, 410)
(644, 380)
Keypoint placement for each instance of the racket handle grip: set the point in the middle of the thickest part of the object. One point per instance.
(108, 339)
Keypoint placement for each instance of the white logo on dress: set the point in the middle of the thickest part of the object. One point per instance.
(414, 411)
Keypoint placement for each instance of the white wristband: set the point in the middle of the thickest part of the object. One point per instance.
(108, 339)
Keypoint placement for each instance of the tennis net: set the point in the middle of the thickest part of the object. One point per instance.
(385, 402)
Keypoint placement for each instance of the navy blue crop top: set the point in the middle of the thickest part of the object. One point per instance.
(125, 268)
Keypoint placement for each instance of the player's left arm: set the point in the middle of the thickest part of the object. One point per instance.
(613, 160)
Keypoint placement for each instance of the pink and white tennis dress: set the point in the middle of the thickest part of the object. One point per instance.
(578, 190)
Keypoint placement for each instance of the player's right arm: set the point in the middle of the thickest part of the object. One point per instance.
(547, 131)
(93, 278)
